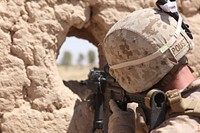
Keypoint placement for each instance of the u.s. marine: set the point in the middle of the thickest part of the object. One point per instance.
(145, 50)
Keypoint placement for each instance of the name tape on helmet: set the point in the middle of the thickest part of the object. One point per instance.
(178, 48)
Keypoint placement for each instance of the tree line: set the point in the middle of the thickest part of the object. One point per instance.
(67, 58)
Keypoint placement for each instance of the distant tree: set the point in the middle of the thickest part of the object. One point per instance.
(91, 57)
(67, 59)
(80, 59)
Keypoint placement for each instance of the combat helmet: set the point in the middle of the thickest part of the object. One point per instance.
(143, 47)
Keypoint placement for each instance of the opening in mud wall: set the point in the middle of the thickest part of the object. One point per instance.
(76, 58)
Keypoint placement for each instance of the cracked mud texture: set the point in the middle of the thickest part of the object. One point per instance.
(32, 95)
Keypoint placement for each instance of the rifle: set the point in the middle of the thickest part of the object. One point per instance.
(105, 88)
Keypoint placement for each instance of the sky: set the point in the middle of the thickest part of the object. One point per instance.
(77, 46)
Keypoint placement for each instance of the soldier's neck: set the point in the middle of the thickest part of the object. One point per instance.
(181, 80)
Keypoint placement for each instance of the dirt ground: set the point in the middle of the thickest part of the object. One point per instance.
(73, 72)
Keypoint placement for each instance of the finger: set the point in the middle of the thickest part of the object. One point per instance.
(113, 106)
(131, 107)
(130, 110)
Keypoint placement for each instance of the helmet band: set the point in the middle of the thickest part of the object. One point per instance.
(156, 54)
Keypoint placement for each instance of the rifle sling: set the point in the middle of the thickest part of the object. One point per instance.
(179, 105)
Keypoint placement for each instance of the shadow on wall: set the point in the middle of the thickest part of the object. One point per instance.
(82, 119)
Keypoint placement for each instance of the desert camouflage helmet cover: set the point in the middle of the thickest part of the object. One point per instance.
(143, 47)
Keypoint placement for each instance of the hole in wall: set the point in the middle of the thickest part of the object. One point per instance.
(76, 58)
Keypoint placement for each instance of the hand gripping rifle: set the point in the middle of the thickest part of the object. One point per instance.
(151, 104)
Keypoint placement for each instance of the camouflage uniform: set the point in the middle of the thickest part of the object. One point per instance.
(140, 34)
(183, 123)
(123, 122)
(140, 50)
